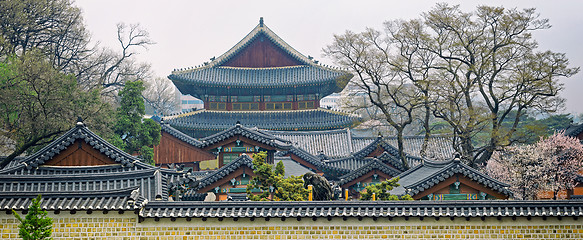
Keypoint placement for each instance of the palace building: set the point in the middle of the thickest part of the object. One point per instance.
(263, 96)
(264, 82)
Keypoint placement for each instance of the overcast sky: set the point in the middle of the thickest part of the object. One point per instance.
(188, 33)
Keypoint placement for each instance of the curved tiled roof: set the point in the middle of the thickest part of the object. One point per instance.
(243, 160)
(389, 209)
(349, 163)
(80, 131)
(430, 173)
(304, 155)
(333, 143)
(236, 77)
(440, 146)
(573, 130)
(213, 73)
(370, 166)
(124, 199)
(252, 134)
(312, 119)
(340, 143)
(123, 186)
(180, 135)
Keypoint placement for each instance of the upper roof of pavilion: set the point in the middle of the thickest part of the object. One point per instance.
(260, 60)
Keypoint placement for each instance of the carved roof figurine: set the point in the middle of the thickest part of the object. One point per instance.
(260, 60)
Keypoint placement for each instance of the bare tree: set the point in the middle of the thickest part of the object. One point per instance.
(370, 56)
(109, 70)
(54, 27)
(488, 61)
(160, 94)
(475, 71)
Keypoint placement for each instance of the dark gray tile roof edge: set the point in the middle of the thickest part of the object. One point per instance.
(85, 176)
(121, 199)
(253, 134)
(64, 194)
(388, 148)
(304, 155)
(243, 160)
(261, 28)
(466, 208)
(372, 165)
(180, 135)
(450, 168)
(574, 130)
(80, 131)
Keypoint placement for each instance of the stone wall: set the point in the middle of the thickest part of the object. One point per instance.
(126, 226)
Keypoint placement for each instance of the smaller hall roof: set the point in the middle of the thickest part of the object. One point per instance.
(430, 173)
(125, 183)
(374, 164)
(251, 133)
(338, 143)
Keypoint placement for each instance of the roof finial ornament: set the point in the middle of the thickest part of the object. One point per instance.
(79, 122)
(261, 21)
(238, 122)
(456, 157)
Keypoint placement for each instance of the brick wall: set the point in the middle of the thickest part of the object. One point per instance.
(126, 226)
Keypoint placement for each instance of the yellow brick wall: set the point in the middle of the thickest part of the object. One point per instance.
(126, 226)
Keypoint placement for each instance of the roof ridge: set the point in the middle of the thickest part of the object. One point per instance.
(78, 132)
(260, 28)
(262, 68)
(225, 170)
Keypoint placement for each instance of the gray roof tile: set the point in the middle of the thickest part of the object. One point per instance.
(292, 168)
(343, 142)
(430, 173)
(308, 72)
(250, 133)
(373, 164)
(79, 132)
(243, 160)
(202, 121)
(319, 209)
(180, 135)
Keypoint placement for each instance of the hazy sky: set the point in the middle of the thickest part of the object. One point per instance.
(188, 33)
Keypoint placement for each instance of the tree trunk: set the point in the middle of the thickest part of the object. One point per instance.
(402, 154)
(426, 126)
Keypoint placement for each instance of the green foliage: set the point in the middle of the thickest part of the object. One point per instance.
(290, 189)
(556, 123)
(38, 103)
(35, 225)
(381, 191)
(279, 169)
(132, 133)
(273, 185)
